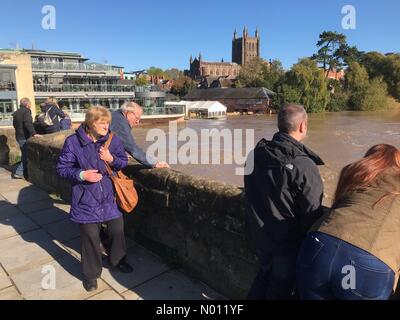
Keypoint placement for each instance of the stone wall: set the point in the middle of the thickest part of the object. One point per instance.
(9, 149)
(194, 223)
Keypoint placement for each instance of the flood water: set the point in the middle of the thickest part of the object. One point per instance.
(338, 138)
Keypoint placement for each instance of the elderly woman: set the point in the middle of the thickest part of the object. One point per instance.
(82, 161)
(354, 251)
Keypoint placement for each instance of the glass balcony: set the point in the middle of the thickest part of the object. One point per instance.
(73, 66)
(83, 88)
(7, 86)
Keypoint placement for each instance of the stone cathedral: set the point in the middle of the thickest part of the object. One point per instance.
(244, 49)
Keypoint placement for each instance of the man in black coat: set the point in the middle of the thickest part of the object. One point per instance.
(283, 199)
(22, 122)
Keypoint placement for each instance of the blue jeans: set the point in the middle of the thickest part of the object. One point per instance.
(22, 169)
(276, 277)
(329, 268)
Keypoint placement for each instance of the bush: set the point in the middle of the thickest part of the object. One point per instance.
(339, 101)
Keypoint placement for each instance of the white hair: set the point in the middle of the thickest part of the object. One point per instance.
(131, 106)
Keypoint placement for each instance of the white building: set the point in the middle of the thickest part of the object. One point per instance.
(205, 109)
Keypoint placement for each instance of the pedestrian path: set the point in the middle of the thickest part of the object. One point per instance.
(40, 259)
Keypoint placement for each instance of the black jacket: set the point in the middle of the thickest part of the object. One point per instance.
(283, 194)
(54, 113)
(22, 122)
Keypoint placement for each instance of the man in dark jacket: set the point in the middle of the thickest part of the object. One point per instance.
(123, 121)
(22, 122)
(283, 199)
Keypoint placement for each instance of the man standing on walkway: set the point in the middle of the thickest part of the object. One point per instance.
(123, 121)
(283, 199)
(23, 125)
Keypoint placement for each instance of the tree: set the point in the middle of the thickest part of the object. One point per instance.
(173, 73)
(363, 93)
(392, 74)
(305, 83)
(273, 74)
(388, 67)
(334, 53)
(375, 63)
(182, 86)
(259, 73)
(251, 74)
(339, 97)
(154, 71)
(141, 81)
(330, 45)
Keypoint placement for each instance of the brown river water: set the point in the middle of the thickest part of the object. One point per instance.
(338, 138)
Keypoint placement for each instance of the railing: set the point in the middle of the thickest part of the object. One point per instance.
(174, 109)
(83, 87)
(78, 115)
(6, 119)
(72, 66)
(7, 86)
(163, 110)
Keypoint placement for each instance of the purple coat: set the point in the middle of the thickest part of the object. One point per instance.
(91, 202)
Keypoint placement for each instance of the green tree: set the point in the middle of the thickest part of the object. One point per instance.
(375, 63)
(339, 97)
(173, 73)
(251, 74)
(260, 73)
(331, 45)
(141, 81)
(305, 83)
(363, 93)
(154, 71)
(273, 74)
(392, 75)
(376, 96)
(378, 65)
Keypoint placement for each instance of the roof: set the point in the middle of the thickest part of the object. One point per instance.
(229, 93)
(210, 106)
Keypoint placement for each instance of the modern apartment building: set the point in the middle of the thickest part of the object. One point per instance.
(73, 80)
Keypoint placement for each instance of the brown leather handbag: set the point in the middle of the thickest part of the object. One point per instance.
(125, 192)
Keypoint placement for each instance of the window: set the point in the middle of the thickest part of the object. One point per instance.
(7, 79)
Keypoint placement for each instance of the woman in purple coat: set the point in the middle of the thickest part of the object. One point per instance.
(82, 161)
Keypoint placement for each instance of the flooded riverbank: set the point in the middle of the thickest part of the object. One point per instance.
(339, 138)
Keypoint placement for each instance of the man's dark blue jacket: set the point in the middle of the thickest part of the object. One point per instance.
(120, 126)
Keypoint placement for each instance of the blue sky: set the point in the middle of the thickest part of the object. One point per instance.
(140, 34)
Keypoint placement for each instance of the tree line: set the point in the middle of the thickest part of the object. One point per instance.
(371, 78)
(181, 85)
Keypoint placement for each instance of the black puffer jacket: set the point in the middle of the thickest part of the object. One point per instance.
(283, 194)
(22, 122)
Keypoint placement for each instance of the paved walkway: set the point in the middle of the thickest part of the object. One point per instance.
(37, 238)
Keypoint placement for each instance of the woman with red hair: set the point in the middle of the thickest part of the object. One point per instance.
(353, 252)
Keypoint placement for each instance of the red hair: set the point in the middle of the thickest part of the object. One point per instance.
(360, 174)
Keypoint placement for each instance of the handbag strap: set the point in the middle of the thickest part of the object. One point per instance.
(106, 146)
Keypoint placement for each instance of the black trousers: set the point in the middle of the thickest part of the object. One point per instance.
(91, 251)
(276, 278)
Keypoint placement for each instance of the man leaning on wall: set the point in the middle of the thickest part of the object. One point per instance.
(283, 199)
(123, 121)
